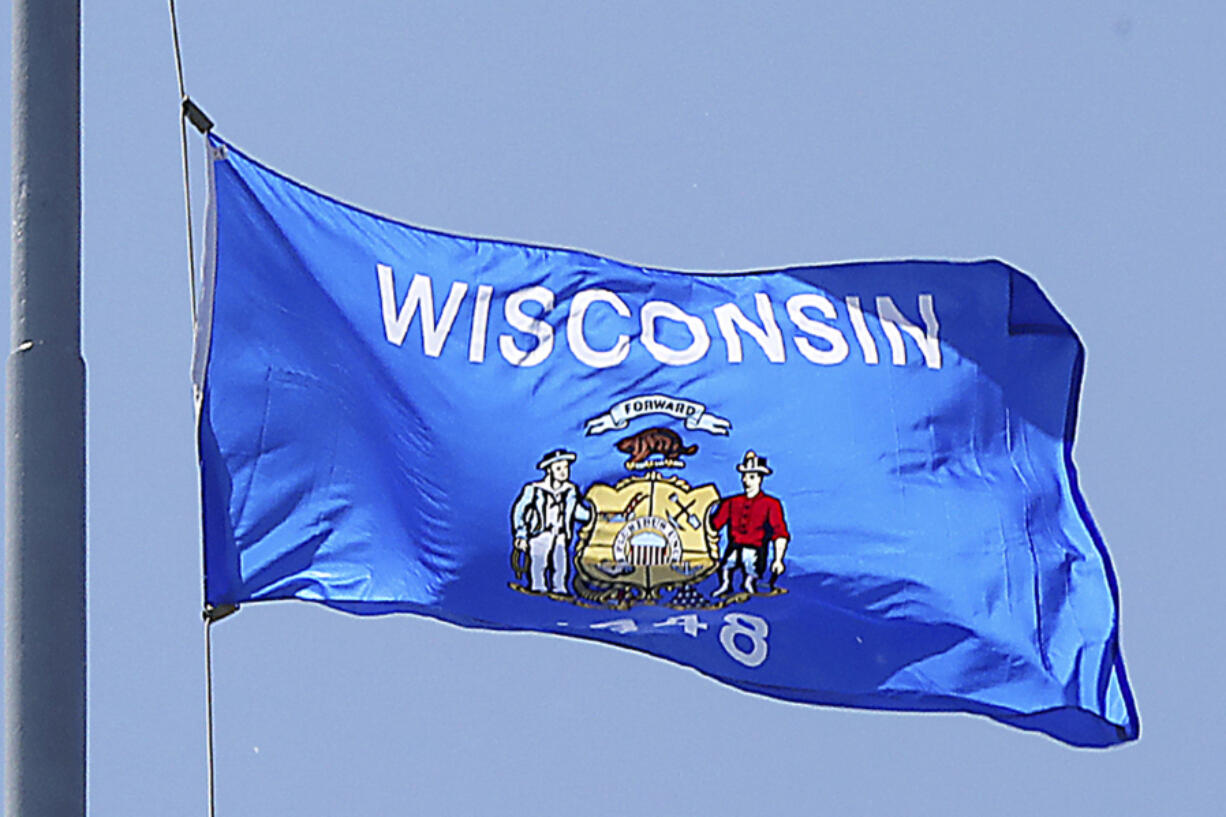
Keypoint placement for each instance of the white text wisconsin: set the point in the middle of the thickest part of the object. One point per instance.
(813, 332)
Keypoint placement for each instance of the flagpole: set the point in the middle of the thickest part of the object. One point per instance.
(45, 476)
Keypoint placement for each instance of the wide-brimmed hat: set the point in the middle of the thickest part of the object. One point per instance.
(556, 455)
(753, 464)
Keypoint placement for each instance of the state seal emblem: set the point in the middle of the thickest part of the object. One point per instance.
(652, 538)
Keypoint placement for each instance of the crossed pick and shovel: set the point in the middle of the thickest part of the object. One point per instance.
(689, 516)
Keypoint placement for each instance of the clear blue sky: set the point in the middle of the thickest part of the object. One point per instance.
(1081, 142)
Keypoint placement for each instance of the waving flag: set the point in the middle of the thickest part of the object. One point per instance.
(847, 484)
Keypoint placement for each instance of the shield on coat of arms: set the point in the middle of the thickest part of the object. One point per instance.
(648, 533)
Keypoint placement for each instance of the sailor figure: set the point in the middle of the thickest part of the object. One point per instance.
(754, 521)
(543, 520)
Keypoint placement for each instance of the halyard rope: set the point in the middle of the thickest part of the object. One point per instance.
(187, 182)
(208, 684)
(184, 106)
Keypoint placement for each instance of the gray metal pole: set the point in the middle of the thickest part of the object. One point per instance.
(45, 522)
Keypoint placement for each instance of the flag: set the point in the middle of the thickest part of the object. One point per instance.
(848, 484)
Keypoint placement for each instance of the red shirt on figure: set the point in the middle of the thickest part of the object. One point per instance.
(752, 522)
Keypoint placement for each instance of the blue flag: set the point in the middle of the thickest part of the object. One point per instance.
(848, 484)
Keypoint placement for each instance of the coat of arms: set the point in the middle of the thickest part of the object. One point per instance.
(651, 538)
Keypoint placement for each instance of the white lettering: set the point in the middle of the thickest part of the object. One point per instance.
(574, 329)
(690, 623)
(837, 352)
(621, 626)
(420, 295)
(892, 320)
(481, 321)
(818, 338)
(868, 346)
(753, 629)
(653, 310)
(536, 327)
(730, 318)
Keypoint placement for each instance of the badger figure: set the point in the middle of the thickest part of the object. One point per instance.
(665, 442)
